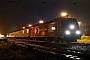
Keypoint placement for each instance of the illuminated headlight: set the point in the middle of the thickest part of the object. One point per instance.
(72, 26)
(77, 32)
(67, 32)
(53, 28)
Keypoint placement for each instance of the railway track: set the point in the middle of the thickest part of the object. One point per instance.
(57, 50)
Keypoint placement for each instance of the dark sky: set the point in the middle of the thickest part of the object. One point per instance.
(14, 14)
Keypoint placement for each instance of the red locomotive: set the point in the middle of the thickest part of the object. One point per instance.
(58, 29)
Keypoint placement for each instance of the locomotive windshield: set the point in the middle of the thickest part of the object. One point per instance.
(69, 23)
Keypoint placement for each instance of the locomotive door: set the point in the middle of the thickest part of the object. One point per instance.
(59, 29)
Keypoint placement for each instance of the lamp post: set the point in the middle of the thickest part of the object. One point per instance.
(64, 14)
(23, 27)
(41, 21)
(79, 23)
(29, 25)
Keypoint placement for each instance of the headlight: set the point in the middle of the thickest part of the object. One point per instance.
(53, 28)
(72, 26)
(77, 32)
(67, 32)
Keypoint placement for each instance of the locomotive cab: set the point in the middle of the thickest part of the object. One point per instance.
(70, 29)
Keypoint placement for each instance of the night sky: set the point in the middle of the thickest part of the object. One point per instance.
(14, 14)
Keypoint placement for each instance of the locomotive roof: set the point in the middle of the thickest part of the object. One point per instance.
(53, 21)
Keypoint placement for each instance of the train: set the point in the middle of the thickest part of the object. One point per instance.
(59, 29)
